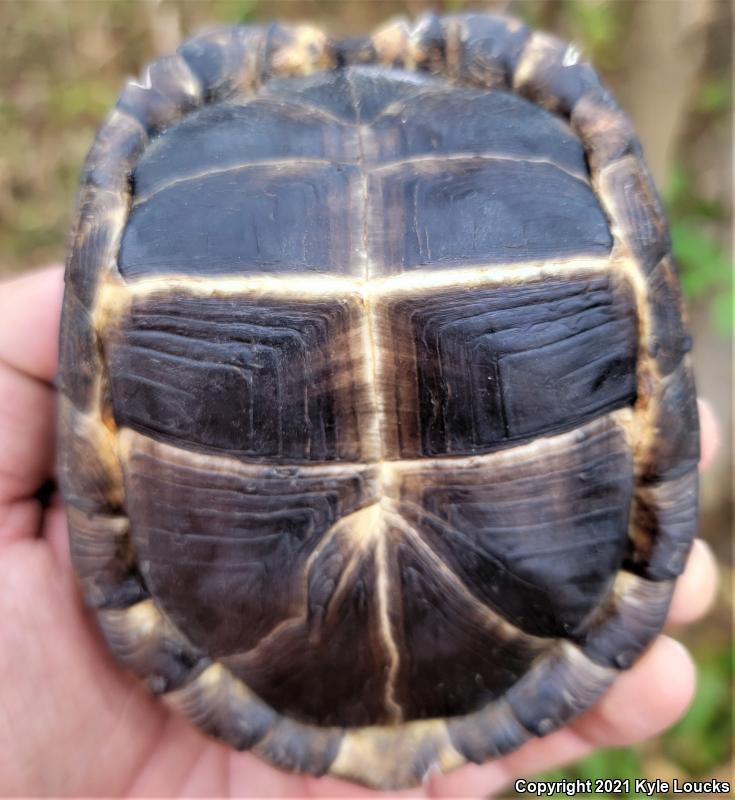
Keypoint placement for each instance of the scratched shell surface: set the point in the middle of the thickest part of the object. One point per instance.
(377, 425)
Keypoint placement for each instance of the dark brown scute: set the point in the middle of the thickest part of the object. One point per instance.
(225, 60)
(638, 208)
(428, 213)
(265, 222)
(104, 559)
(420, 121)
(447, 215)
(85, 477)
(484, 735)
(116, 150)
(79, 361)
(489, 367)
(225, 135)
(537, 539)
(554, 85)
(255, 529)
(556, 691)
(272, 379)
(669, 338)
(287, 747)
(664, 524)
(328, 669)
(490, 48)
(455, 658)
(675, 442)
(625, 623)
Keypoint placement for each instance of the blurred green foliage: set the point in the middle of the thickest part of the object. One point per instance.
(703, 739)
(705, 266)
(599, 24)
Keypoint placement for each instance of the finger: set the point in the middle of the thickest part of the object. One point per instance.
(643, 701)
(30, 307)
(72, 722)
(26, 432)
(54, 531)
(709, 433)
(696, 587)
(646, 699)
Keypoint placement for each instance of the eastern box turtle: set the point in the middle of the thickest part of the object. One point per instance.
(377, 425)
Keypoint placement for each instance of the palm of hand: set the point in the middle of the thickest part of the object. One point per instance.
(71, 722)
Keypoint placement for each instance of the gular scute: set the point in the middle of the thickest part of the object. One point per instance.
(377, 419)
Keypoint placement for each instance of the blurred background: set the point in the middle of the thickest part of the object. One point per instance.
(669, 62)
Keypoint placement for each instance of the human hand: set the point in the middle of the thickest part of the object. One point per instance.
(73, 723)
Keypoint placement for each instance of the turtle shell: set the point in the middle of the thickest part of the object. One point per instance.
(377, 430)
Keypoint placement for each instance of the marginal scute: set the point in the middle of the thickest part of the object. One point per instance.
(606, 131)
(669, 338)
(490, 48)
(89, 472)
(101, 215)
(173, 78)
(550, 73)
(674, 438)
(119, 144)
(663, 527)
(428, 44)
(104, 559)
(227, 61)
(391, 44)
(488, 733)
(169, 91)
(390, 758)
(296, 50)
(143, 640)
(632, 614)
(557, 688)
(221, 706)
(79, 357)
(635, 206)
(285, 746)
